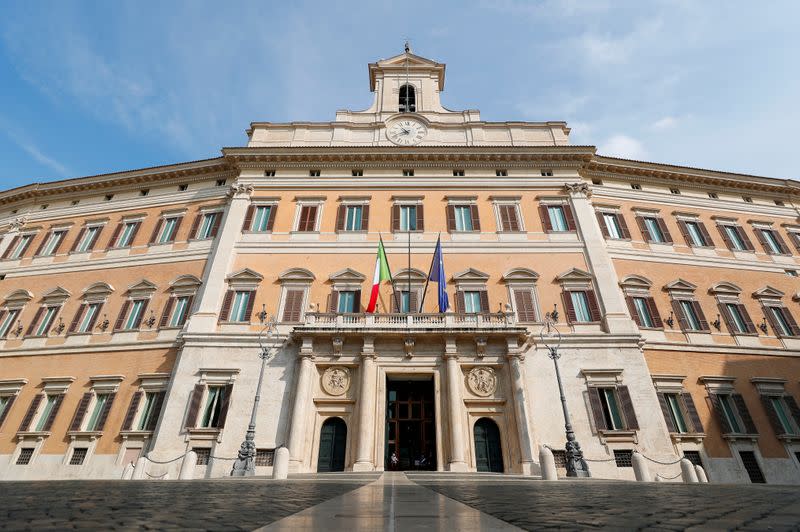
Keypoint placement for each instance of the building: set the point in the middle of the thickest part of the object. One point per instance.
(132, 304)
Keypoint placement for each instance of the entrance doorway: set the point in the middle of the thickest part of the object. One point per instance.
(488, 451)
(332, 444)
(410, 425)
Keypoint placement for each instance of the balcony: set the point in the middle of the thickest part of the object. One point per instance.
(503, 322)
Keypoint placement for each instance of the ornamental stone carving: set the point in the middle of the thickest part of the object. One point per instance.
(482, 381)
(17, 223)
(240, 188)
(336, 380)
(579, 188)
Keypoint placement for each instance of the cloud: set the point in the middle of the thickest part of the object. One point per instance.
(668, 122)
(608, 49)
(624, 147)
(29, 147)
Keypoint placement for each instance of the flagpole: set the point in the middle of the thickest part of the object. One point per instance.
(428, 279)
(391, 277)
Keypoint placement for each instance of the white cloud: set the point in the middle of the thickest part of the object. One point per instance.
(607, 49)
(624, 147)
(668, 122)
(29, 147)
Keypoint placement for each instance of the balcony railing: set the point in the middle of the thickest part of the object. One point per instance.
(483, 320)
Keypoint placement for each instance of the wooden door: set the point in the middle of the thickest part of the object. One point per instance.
(332, 445)
(488, 450)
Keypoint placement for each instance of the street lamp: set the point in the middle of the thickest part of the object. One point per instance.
(245, 464)
(551, 339)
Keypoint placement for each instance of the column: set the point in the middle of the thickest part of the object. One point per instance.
(297, 429)
(366, 411)
(456, 405)
(209, 297)
(519, 391)
(615, 312)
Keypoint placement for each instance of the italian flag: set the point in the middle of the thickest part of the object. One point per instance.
(382, 273)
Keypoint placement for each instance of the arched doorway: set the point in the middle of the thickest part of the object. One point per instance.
(488, 451)
(332, 444)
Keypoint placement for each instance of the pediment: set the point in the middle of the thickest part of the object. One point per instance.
(143, 286)
(635, 281)
(768, 291)
(347, 275)
(471, 274)
(185, 281)
(18, 296)
(574, 274)
(680, 284)
(413, 60)
(417, 276)
(57, 293)
(724, 287)
(98, 289)
(520, 275)
(398, 64)
(245, 275)
(296, 275)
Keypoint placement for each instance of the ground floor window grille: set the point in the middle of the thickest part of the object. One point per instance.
(560, 458)
(624, 458)
(751, 466)
(693, 457)
(25, 455)
(264, 457)
(203, 455)
(78, 456)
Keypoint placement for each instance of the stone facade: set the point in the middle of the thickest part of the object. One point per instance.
(132, 304)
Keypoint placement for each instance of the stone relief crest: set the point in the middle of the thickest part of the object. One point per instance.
(482, 381)
(336, 380)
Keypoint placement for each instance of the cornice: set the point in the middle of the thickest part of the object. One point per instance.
(698, 260)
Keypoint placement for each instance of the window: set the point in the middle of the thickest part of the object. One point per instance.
(734, 237)
(713, 195)
(472, 302)
(408, 99)
(213, 407)
(165, 230)
(261, 218)
(97, 413)
(623, 457)
(87, 238)
(728, 411)
(135, 314)
(556, 218)
(674, 191)
(558, 222)
(580, 304)
(203, 455)
(221, 182)
(46, 321)
(458, 173)
(547, 173)
(780, 413)
(78, 456)
(736, 315)
(347, 301)
(408, 172)
(779, 203)
(501, 173)
(269, 173)
(509, 217)
(405, 301)
(654, 229)
(183, 187)
(608, 400)
(293, 305)
(51, 404)
(25, 456)
(747, 199)
(7, 322)
(782, 321)
(314, 173)
(352, 221)
(612, 408)
(308, 218)
(89, 317)
(408, 217)
(180, 311)
(241, 301)
(560, 458)
(791, 273)
(636, 186)
(463, 217)
(772, 242)
(751, 466)
(52, 243)
(690, 315)
(21, 246)
(109, 197)
(675, 412)
(612, 226)
(643, 312)
(129, 230)
(150, 410)
(357, 173)
(694, 233)
(208, 226)
(5, 403)
(264, 457)
(693, 457)
(597, 181)
(524, 304)
(144, 192)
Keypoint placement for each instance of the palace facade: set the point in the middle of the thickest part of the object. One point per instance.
(132, 304)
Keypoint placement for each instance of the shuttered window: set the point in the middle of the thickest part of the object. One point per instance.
(180, 311)
(782, 321)
(5, 405)
(89, 317)
(472, 301)
(135, 314)
(463, 217)
(21, 246)
(737, 318)
(216, 406)
(99, 406)
(690, 315)
(612, 226)
(151, 410)
(308, 218)
(523, 304)
(7, 321)
(208, 226)
(654, 230)
(51, 244)
(47, 412)
(293, 305)
(695, 233)
(239, 308)
(558, 221)
(346, 301)
(408, 217)
(127, 234)
(612, 408)
(261, 218)
(643, 312)
(680, 413)
(168, 230)
(580, 304)
(772, 242)
(509, 218)
(352, 218)
(46, 321)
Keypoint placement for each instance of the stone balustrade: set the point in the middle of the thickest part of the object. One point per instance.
(333, 320)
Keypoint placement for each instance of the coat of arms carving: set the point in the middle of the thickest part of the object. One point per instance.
(482, 381)
(336, 380)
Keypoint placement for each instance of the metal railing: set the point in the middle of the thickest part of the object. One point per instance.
(481, 320)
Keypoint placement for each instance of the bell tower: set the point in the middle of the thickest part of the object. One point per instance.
(406, 83)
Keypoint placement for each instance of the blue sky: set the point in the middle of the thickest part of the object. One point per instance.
(95, 87)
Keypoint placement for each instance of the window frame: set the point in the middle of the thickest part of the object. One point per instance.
(513, 205)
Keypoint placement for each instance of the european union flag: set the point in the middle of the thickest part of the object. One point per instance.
(437, 276)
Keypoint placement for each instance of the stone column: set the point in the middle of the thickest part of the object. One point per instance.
(615, 312)
(519, 392)
(366, 410)
(456, 405)
(211, 292)
(302, 392)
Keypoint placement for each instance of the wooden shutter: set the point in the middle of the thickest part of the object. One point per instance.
(707, 241)
(654, 314)
(701, 317)
(523, 300)
(413, 303)
(545, 216)
(685, 232)
(251, 300)
(623, 225)
(35, 322)
(122, 313)
(194, 405)
(790, 319)
(292, 306)
(727, 318)
(664, 231)
(115, 235)
(175, 229)
(395, 218)
(333, 301)
(748, 244)
(139, 319)
(341, 211)
(596, 405)
(646, 236)
(43, 243)
(725, 238)
(248, 218)
(135, 231)
(77, 318)
(484, 297)
(594, 308)
(744, 413)
(420, 217)
(748, 322)
(631, 423)
(308, 218)
(632, 310)
(691, 411)
(715, 403)
(226, 402)
(164, 321)
(662, 401)
(451, 218)
(127, 423)
(101, 422)
(28, 418)
(364, 218)
(155, 412)
(25, 248)
(225, 312)
(216, 224)
(80, 412)
(567, 209)
(781, 243)
(11, 246)
(602, 223)
(476, 221)
(188, 311)
(569, 309)
(95, 238)
(93, 320)
(273, 210)
(772, 415)
(460, 306)
(678, 311)
(791, 403)
(156, 231)
(357, 301)
(509, 218)
(4, 413)
(795, 239)
(77, 240)
(48, 424)
(195, 225)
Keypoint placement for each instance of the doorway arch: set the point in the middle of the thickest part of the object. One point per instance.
(332, 445)
(488, 448)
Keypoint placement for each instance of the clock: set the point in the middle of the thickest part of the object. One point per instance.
(406, 132)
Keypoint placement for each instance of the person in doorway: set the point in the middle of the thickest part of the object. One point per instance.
(393, 461)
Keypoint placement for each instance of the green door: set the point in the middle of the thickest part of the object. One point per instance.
(488, 451)
(332, 443)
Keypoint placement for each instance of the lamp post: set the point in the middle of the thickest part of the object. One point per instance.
(551, 339)
(245, 464)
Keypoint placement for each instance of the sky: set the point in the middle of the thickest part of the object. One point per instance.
(90, 87)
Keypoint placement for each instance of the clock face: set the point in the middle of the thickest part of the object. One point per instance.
(406, 132)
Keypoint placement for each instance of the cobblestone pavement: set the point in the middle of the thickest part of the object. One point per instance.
(595, 504)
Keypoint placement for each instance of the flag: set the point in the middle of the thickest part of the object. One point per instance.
(382, 273)
(437, 276)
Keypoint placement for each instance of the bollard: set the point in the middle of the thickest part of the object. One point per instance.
(280, 463)
(127, 473)
(640, 468)
(187, 466)
(138, 469)
(701, 474)
(688, 474)
(547, 463)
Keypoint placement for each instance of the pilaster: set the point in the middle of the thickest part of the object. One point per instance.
(519, 391)
(302, 392)
(366, 409)
(456, 406)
